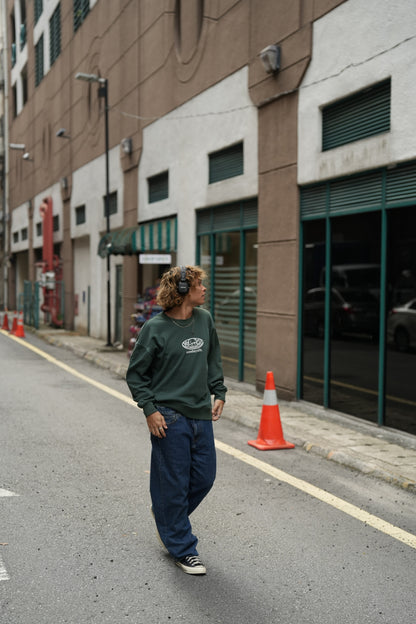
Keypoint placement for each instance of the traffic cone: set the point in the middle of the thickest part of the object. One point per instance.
(14, 325)
(270, 435)
(5, 325)
(20, 331)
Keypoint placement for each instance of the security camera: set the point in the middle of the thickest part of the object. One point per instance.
(26, 156)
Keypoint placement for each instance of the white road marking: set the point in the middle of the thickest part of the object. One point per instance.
(7, 493)
(3, 572)
(338, 503)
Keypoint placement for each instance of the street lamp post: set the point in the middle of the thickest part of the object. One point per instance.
(103, 92)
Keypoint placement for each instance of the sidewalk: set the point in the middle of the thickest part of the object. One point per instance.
(380, 452)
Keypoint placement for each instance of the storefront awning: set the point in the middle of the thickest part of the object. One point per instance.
(157, 236)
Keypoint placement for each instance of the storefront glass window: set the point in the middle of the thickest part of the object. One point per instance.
(250, 306)
(227, 251)
(205, 263)
(400, 403)
(313, 311)
(227, 298)
(355, 302)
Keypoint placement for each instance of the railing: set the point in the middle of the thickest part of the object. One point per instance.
(31, 299)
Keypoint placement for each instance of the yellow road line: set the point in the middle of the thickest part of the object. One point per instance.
(334, 501)
(73, 371)
(325, 497)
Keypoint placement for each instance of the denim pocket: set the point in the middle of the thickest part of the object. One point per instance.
(169, 414)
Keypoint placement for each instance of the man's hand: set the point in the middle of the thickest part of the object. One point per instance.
(157, 425)
(217, 409)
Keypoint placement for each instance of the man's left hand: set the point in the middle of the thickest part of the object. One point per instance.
(217, 409)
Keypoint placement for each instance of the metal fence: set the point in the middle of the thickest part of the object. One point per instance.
(31, 299)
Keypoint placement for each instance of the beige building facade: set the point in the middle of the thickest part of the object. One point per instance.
(211, 155)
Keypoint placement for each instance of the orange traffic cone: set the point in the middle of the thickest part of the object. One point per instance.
(20, 331)
(5, 325)
(270, 435)
(14, 325)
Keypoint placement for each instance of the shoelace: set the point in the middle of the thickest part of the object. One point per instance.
(193, 561)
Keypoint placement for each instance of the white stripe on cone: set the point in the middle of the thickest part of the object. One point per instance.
(270, 397)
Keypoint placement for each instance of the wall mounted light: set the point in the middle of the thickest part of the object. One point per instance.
(61, 134)
(270, 57)
(127, 145)
(17, 146)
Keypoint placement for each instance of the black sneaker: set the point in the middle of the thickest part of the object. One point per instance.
(191, 564)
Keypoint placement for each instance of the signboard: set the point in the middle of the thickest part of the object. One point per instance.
(155, 258)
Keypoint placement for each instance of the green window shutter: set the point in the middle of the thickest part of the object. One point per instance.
(158, 187)
(81, 10)
(239, 215)
(226, 163)
(360, 193)
(358, 116)
(38, 8)
(22, 36)
(401, 185)
(39, 61)
(55, 35)
(80, 215)
(313, 202)
(112, 203)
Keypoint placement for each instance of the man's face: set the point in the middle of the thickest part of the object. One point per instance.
(197, 293)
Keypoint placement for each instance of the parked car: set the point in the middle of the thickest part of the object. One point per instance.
(352, 311)
(355, 276)
(401, 326)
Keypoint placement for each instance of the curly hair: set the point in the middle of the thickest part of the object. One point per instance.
(167, 294)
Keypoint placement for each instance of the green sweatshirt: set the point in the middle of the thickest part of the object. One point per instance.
(177, 364)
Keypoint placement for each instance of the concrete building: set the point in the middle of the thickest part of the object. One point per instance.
(256, 173)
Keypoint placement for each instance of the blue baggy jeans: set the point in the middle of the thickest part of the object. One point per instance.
(183, 469)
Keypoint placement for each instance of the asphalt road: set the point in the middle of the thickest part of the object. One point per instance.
(78, 544)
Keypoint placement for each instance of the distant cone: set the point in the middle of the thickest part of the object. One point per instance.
(14, 325)
(20, 331)
(270, 435)
(5, 325)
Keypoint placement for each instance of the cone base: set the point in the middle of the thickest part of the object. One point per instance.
(262, 445)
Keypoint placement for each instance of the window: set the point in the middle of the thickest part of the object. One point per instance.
(55, 35)
(56, 223)
(80, 215)
(112, 204)
(38, 8)
(39, 228)
(81, 10)
(14, 100)
(158, 186)
(22, 24)
(24, 85)
(24, 234)
(358, 116)
(15, 237)
(227, 250)
(226, 163)
(39, 64)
